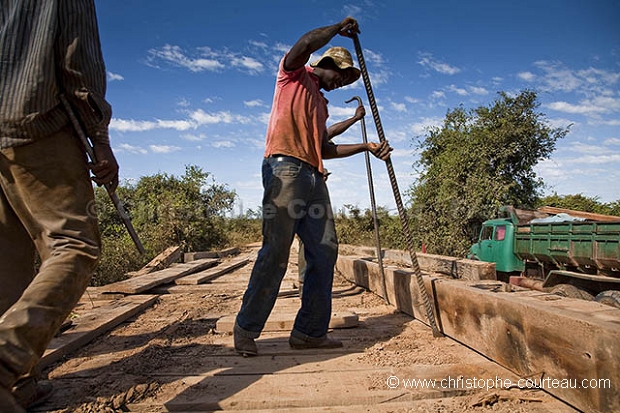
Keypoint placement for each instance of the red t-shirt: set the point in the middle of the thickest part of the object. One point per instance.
(298, 117)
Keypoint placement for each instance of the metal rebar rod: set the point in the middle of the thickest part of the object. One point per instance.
(91, 154)
(373, 204)
(397, 197)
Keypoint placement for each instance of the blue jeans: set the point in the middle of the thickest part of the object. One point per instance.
(295, 201)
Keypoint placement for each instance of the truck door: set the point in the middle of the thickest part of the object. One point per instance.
(492, 240)
(486, 243)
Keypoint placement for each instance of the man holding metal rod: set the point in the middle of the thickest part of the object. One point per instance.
(296, 200)
(47, 48)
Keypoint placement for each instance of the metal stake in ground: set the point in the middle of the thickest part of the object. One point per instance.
(399, 203)
(373, 204)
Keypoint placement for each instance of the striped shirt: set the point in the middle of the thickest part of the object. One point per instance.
(49, 47)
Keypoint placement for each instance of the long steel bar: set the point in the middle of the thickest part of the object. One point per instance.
(399, 203)
(91, 154)
(373, 204)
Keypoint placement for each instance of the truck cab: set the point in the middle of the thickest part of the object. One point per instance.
(496, 244)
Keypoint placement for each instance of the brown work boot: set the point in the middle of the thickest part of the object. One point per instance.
(30, 392)
(299, 343)
(8, 404)
(245, 346)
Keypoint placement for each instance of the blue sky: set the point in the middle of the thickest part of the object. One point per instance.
(191, 83)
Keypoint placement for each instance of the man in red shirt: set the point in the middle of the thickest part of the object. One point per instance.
(296, 200)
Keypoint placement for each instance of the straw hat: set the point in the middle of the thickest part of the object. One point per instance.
(342, 58)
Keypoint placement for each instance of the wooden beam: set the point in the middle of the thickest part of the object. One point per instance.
(533, 334)
(279, 321)
(208, 275)
(143, 283)
(579, 214)
(94, 323)
(161, 261)
(192, 256)
(454, 267)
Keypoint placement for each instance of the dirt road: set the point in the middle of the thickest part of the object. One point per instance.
(171, 358)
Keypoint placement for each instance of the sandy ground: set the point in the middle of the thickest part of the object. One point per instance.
(170, 357)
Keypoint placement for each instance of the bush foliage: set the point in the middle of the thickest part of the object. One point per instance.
(475, 162)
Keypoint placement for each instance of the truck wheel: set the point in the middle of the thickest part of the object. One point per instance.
(570, 291)
(609, 297)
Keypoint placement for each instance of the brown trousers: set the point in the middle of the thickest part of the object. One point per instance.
(47, 204)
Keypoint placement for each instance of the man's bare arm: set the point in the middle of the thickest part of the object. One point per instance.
(312, 41)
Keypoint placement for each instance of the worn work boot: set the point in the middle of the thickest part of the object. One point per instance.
(244, 345)
(312, 342)
(8, 404)
(29, 392)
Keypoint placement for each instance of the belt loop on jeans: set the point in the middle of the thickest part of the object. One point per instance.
(281, 158)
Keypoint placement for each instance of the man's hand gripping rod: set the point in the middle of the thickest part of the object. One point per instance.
(91, 154)
(399, 203)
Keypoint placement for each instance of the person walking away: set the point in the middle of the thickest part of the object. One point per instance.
(296, 200)
(47, 48)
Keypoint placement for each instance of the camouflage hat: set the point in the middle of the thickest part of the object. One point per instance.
(342, 58)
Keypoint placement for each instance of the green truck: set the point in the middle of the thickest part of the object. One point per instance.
(565, 253)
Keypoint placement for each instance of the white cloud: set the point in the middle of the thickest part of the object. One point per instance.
(438, 94)
(113, 76)
(583, 109)
(373, 57)
(130, 125)
(125, 147)
(179, 125)
(458, 91)
(205, 59)
(254, 103)
(590, 82)
(352, 10)
(203, 118)
(193, 138)
(611, 122)
(582, 148)
(479, 90)
(420, 128)
(164, 148)
(176, 56)
(402, 153)
(427, 60)
(526, 76)
(560, 122)
(259, 44)
(223, 144)
(597, 159)
(399, 107)
(343, 111)
(251, 64)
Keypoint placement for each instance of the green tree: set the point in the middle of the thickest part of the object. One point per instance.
(187, 211)
(580, 202)
(166, 210)
(475, 162)
(357, 227)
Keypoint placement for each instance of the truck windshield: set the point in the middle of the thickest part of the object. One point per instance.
(487, 233)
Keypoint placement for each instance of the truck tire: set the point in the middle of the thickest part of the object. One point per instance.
(570, 291)
(609, 297)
